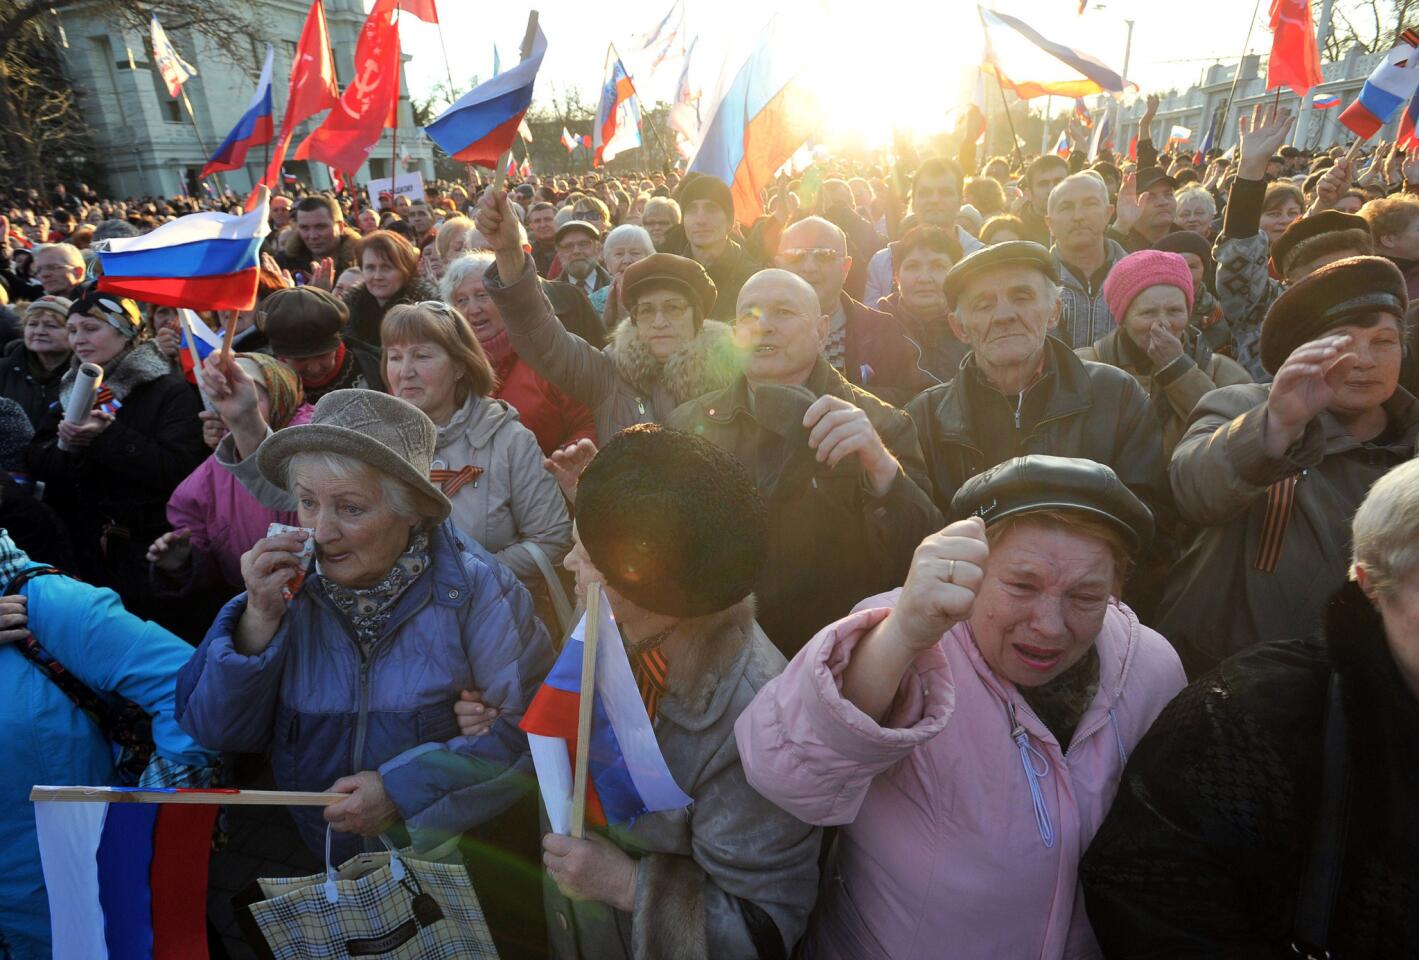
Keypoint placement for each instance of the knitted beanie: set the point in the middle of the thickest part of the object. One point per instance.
(15, 435)
(672, 522)
(1139, 271)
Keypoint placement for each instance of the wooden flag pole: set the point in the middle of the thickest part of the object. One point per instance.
(250, 798)
(528, 38)
(583, 718)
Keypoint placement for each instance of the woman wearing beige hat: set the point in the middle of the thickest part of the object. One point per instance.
(346, 667)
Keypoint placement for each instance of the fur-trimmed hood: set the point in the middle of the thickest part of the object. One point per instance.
(705, 364)
(126, 372)
(297, 251)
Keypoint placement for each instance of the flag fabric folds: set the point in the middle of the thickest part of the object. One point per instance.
(126, 880)
(1102, 136)
(1207, 139)
(757, 121)
(422, 9)
(207, 261)
(618, 115)
(684, 117)
(1387, 89)
(1324, 101)
(312, 88)
(1033, 66)
(1408, 136)
(174, 70)
(568, 140)
(1061, 146)
(368, 105)
(1082, 114)
(1295, 58)
(480, 126)
(627, 774)
(524, 131)
(1179, 134)
(253, 129)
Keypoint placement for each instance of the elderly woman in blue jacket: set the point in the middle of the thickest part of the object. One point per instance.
(50, 740)
(350, 683)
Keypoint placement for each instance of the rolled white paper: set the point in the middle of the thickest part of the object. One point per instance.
(81, 399)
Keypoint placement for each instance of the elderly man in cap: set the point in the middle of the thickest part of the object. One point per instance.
(840, 470)
(1272, 473)
(707, 208)
(303, 326)
(1022, 391)
(579, 250)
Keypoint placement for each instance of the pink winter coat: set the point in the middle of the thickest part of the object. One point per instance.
(941, 852)
(225, 519)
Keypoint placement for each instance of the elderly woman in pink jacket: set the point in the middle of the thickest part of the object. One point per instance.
(968, 731)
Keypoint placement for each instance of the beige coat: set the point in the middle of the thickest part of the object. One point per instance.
(513, 502)
(1175, 389)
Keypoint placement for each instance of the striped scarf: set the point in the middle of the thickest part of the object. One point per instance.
(651, 671)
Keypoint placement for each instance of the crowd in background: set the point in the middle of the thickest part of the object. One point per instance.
(920, 498)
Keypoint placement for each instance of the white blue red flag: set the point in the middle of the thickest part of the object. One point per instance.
(618, 114)
(1033, 66)
(253, 129)
(1386, 90)
(126, 880)
(174, 70)
(760, 113)
(481, 125)
(208, 261)
(627, 775)
(1324, 101)
(1061, 146)
(568, 141)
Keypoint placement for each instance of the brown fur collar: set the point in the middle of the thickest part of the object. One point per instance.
(701, 650)
(670, 924)
(297, 251)
(705, 364)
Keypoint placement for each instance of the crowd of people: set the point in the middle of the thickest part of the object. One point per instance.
(1016, 558)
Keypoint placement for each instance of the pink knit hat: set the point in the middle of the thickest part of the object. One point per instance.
(1139, 271)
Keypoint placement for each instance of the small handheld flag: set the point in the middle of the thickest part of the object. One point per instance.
(1387, 89)
(627, 775)
(481, 125)
(568, 140)
(207, 261)
(1324, 101)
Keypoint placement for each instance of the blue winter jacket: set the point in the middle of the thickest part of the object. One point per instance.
(325, 712)
(48, 740)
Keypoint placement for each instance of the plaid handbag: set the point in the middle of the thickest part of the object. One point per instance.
(385, 904)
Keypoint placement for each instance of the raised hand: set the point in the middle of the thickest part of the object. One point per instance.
(947, 571)
(567, 464)
(1260, 136)
(266, 569)
(1304, 386)
(1127, 208)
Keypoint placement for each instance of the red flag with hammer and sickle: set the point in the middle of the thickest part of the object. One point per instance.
(354, 125)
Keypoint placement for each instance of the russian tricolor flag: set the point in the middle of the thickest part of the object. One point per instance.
(126, 880)
(208, 261)
(1324, 101)
(761, 117)
(480, 126)
(253, 129)
(627, 775)
(1387, 89)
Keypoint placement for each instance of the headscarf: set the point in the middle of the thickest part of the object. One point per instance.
(283, 387)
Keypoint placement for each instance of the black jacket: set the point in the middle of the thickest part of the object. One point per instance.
(1201, 855)
(831, 541)
(1088, 410)
(366, 313)
(19, 382)
(113, 494)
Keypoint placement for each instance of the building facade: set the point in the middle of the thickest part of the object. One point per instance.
(147, 143)
(1200, 107)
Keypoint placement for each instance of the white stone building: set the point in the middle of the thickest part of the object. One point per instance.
(144, 139)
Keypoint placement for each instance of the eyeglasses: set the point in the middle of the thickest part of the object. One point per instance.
(672, 310)
(822, 256)
(577, 246)
(439, 307)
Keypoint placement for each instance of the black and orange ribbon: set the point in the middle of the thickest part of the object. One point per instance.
(1280, 503)
(651, 670)
(452, 481)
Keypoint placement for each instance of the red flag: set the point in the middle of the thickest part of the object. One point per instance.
(1295, 58)
(348, 134)
(423, 9)
(1133, 149)
(312, 89)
